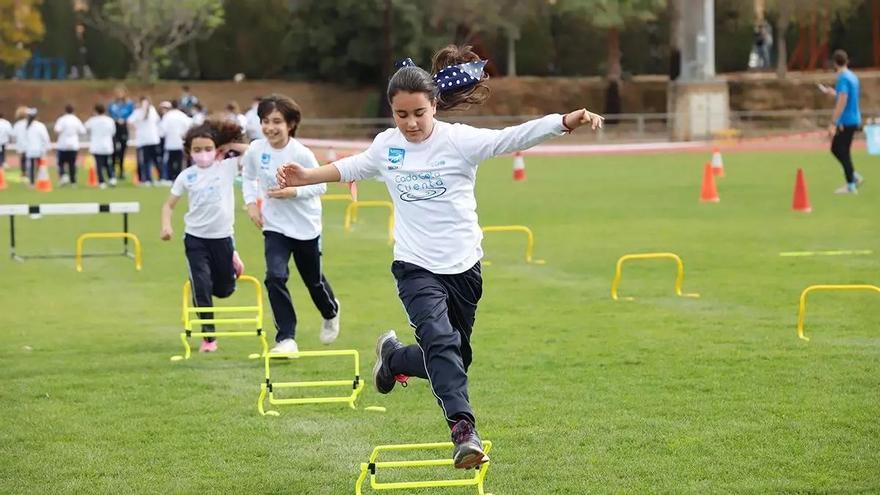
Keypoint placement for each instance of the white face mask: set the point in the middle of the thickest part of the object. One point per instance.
(203, 159)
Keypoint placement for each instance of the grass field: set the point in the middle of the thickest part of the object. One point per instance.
(579, 394)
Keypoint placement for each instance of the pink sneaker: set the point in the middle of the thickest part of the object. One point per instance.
(208, 346)
(237, 264)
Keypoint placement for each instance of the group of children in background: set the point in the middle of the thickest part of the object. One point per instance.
(158, 137)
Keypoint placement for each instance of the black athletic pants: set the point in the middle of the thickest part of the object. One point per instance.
(841, 145)
(210, 271)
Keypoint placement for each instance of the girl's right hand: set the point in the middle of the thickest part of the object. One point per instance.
(166, 233)
(292, 174)
(255, 214)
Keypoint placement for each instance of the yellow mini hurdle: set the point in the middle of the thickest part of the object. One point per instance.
(108, 235)
(267, 389)
(813, 288)
(679, 278)
(254, 316)
(374, 465)
(336, 197)
(351, 214)
(530, 239)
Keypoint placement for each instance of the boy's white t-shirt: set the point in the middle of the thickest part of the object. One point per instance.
(68, 127)
(211, 213)
(298, 217)
(174, 125)
(432, 186)
(5, 132)
(101, 131)
(146, 130)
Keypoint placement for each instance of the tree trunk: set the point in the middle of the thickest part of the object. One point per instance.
(143, 68)
(875, 30)
(676, 38)
(785, 13)
(511, 51)
(614, 69)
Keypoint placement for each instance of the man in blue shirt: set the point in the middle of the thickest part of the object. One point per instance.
(119, 110)
(846, 120)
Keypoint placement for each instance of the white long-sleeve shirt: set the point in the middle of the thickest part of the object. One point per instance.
(101, 131)
(68, 127)
(19, 133)
(146, 130)
(432, 186)
(298, 217)
(254, 128)
(5, 132)
(36, 140)
(173, 126)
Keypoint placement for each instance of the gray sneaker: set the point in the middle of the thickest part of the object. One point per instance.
(468, 452)
(383, 378)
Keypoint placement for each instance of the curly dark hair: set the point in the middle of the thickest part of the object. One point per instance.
(417, 80)
(218, 130)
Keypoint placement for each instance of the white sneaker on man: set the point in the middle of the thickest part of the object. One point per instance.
(330, 328)
(285, 346)
(63, 180)
(113, 182)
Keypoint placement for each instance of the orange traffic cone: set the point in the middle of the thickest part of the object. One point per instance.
(44, 183)
(331, 155)
(93, 177)
(717, 163)
(2, 178)
(801, 201)
(709, 193)
(260, 204)
(519, 167)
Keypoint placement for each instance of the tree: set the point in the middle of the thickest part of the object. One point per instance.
(612, 16)
(152, 29)
(20, 25)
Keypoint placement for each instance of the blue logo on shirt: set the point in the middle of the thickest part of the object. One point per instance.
(264, 158)
(395, 156)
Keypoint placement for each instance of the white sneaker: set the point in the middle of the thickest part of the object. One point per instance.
(113, 182)
(285, 346)
(63, 180)
(102, 186)
(330, 328)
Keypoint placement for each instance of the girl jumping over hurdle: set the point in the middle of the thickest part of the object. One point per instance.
(209, 246)
(430, 168)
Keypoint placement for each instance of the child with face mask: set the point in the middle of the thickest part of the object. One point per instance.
(213, 263)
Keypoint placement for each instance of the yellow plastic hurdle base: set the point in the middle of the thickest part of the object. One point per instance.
(351, 215)
(267, 389)
(530, 240)
(108, 235)
(802, 311)
(254, 317)
(679, 278)
(373, 466)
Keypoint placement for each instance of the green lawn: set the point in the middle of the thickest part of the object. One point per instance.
(580, 394)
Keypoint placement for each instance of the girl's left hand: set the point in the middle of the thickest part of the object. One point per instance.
(282, 193)
(581, 117)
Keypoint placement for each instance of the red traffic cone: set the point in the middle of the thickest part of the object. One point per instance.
(2, 178)
(260, 204)
(93, 177)
(801, 201)
(519, 167)
(717, 163)
(44, 182)
(709, 193)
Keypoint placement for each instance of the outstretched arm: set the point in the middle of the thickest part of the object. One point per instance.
(166, 231)
(294, 174)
